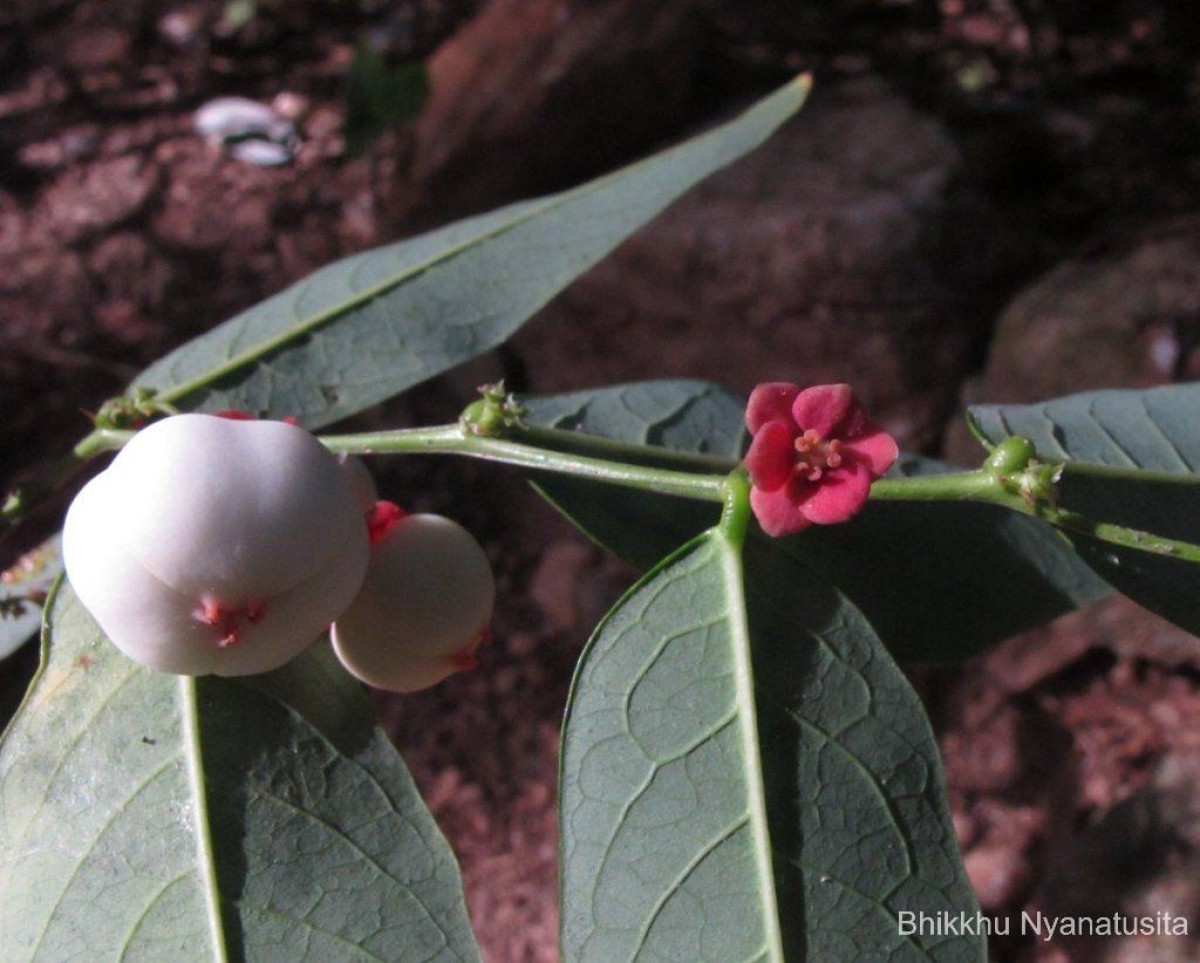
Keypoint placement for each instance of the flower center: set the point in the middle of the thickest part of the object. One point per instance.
(814, 455)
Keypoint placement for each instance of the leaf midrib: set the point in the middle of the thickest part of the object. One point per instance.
(205, 855)
(756, 803)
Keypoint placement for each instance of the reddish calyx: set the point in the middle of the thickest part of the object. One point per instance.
(465, 659)
(235, 414)
(382, 518)
(228, 621)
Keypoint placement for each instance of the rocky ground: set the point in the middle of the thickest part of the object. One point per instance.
(985, 199)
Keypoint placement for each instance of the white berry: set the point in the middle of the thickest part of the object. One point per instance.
(216, 546)
(424, 606)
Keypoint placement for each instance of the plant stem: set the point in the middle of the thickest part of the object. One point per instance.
(577, 441)
(1120, 535)
(452, 439)
(988, 487)
(735, 516)
(972, 486)
(698, 476)
(100, 441)
(21, 500)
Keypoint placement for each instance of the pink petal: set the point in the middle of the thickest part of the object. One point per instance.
(770, 401)
(824, 409)
(875, 448)
(777, 512)
(771, 456)
(840, 495)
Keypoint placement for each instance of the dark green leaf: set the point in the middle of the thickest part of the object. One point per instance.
(942, 581)
(939, 581)
(711, 814)
(154, 817)
(691, 416)
(367, 327)
(1156, 430)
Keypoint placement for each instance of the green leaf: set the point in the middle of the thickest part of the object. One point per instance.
(942, 581)
(369, 326)
(748, 776)
(939, 581)
(1154, 430)
(21, 587)
(680, 415)
(153, 817)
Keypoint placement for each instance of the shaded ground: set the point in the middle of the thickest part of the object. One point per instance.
(963, 150)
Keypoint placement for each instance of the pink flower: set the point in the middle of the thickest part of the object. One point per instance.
(813, 457)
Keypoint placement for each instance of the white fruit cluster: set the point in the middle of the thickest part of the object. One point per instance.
(224, 546)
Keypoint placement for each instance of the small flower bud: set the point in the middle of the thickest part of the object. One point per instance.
(423, 609)
(216, 546)
(1012, 455)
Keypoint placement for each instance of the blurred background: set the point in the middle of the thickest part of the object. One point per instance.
(984, 199)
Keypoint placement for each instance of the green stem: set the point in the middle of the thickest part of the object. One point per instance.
(970, 486)
(988, 487)
(100, 441)
(1120, 535)
(22, 499)
(452, 439)
(697, 476)
(735, 516)
(577, 441)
